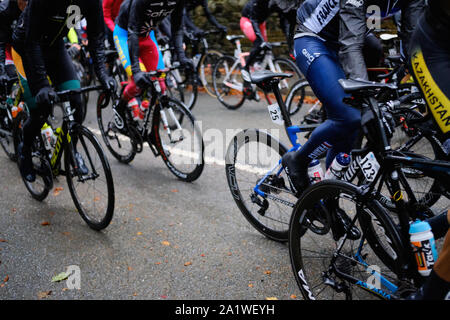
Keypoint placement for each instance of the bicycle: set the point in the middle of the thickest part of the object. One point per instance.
(180, 146)
(12, 98)
(341, 238)
(92, 191)
(229, 82)
(266, 198)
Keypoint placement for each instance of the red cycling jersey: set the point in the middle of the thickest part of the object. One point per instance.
(110, 12)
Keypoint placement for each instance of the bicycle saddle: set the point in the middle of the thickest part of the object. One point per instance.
(352, 85)
(235, 37)
(263, 75)
(394, 59)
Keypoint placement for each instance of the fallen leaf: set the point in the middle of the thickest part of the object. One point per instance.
(135, 294)
(250, 285)
(229, 253)
(65, 289)
(164, 297)
(44, 294)
(96, 199)
(57, 191)
(60, 277)
(157, 262)
(130, 269)
(174, 190)
(293, 296)
(14, 210)
(202, 255)
(2, 285)
(165, 243)
(137, 219)
(187, 263)
(6, 279)
(271, 298)
(268, 272)
(3, 240)
(45, 223)
(66, 233)
(139, 233)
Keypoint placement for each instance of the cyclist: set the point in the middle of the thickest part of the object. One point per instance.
(329, 46)
(136, 43)
(430, 63)
(190, 26)
(39, 41)
(110, 12)
(253, 25)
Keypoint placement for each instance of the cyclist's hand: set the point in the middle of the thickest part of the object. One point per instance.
(46, 96)
(142, 80)
(187, 63)
(74, 51)
(109, 84)
(223, 29)
(265, 45)
(199, 33)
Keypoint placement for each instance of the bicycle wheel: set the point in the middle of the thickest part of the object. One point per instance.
(40, 188)
(228, 82)
(92, 192)
(301, 97)
(119, 140)
(206, 69)
(6, 135)
(250, 156)
(179, 143)
(182, 85)
(327, 263)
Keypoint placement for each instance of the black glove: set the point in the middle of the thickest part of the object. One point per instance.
(223, 29)
(187, 63)
(199, 33)
(46, 96)
(73, 52)
(109, 83)
(142, 80)
(265, 45)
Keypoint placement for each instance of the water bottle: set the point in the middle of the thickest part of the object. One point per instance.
(48, 136)
(144, 107)
(338, 166)
(315, 172)
(424, 247)
(135, 109)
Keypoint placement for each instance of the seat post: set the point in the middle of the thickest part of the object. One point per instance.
(276, 90)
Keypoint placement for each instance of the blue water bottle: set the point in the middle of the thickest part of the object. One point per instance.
(338, 166)
(424, 246)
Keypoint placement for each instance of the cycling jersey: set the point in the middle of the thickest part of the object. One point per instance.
(139, 17)
(46, 22)
(9, 14)
(343, 22)
(111, 10)
(430, 61)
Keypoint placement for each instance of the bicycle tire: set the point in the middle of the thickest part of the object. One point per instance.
(40, 188)
(272, 224)
(83, 135)
(122, 155)
(185, 89)
(298, 233)
(204, 71)
(221, 90)
(163, 145)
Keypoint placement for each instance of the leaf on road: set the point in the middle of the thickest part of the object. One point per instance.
(44, 294)
(6, 279)
(202, 255)
(164, 296)
(60, 277)
(268, 272)
(130, 269)
(187, 263)
(165, 243)
(45, 223)
(57, 191)
(250, 285)
(229, 253)
(96, 199)
(271, 298)
(293, 296)
(3, 240)
(139, 233)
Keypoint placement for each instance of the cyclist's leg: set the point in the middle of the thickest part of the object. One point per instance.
(322, 69)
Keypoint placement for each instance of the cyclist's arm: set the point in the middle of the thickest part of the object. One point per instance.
(177, 30)
(259, 13)
(107, 12)
(96, 36)
(411, 12)
(210, 16)
(165, 27)
(352, 30)
(34, 15)
(188, 23)
(135, 22)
